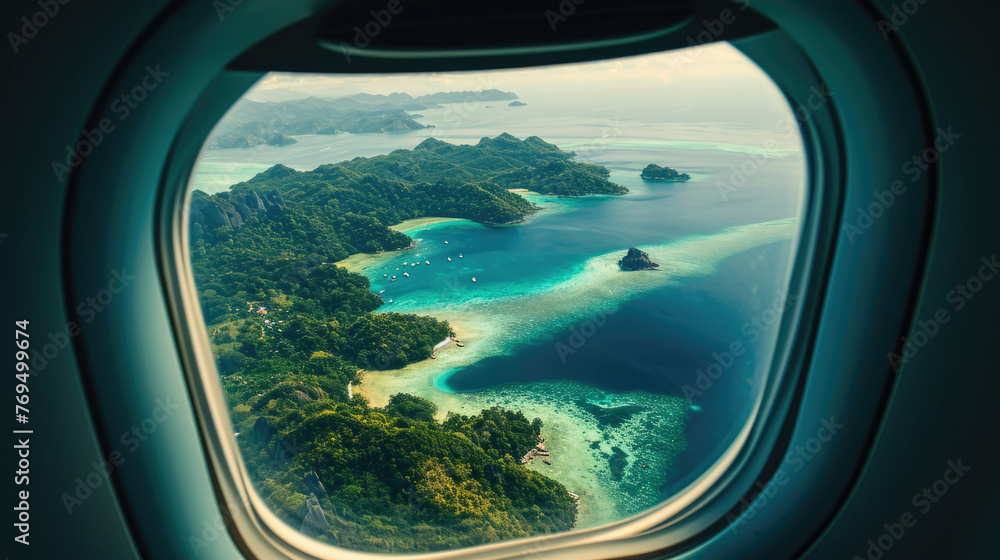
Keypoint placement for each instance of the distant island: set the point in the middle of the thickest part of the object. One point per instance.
(654, 172)
(433, 179)
(516, 104)
(637, 260)
(251, 123)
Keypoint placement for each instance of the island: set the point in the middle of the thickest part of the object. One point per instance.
(654, 172)
(251, 123)
(516, 104)
(636, 260)
(291, 332)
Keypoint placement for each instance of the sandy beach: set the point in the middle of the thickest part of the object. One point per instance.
(359, 262)
(417, 223)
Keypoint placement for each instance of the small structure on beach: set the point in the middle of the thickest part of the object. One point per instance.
(537, 451)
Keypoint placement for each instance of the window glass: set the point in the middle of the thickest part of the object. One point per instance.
(456, 309)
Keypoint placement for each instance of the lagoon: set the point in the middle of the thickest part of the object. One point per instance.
(551, 327)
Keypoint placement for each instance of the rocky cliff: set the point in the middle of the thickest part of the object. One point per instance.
(231, 210)
(636, 260)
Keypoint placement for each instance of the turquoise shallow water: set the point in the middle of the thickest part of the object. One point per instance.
(553, 328)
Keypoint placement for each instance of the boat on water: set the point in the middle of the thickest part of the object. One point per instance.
(414, 264)
(407, 274)
(393, 279)
(449, 259)
(460, 256)
(473, 278)
(405, 263)
(381, 291)
(446, 242)
(433, 357)
(385, 275)
(460, 345)
(427, 262)
(390, 300)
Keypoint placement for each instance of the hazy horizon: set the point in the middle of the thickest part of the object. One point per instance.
(713, 83)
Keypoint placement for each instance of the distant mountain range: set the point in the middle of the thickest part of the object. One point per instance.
(251, 123)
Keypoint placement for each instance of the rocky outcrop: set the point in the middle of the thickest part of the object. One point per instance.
(636, 260)
(231, 209)
(314, 524)
(654, 172)
(262, 429)
(314, 485)
(516, 104)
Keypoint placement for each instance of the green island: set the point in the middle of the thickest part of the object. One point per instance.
(291, 331)
(654, 172)
(252, 123)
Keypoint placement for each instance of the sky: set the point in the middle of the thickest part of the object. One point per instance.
(678, 68)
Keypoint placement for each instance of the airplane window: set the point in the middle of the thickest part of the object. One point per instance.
(455, 309)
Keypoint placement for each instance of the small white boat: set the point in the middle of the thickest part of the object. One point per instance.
(449, 259)
(407, 274)
(390, 300)
(393, 279)
(473, 278)
(433, 357)
(413, 264)
(405, 263)
(460, 256)
(445, 242)
(385, 276)
(427, 262)
(381, 291)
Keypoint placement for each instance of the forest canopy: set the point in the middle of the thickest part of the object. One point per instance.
(291, 331)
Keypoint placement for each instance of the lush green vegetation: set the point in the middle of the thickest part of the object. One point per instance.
(531, 164)
(290, 330)
(396, 480)
(653, 172)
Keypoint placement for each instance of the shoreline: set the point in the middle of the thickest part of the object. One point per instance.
(359, 262)
(651, 430)
(377, 386)
(417, 223)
